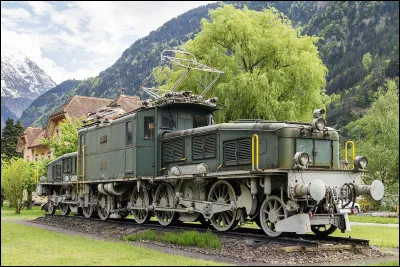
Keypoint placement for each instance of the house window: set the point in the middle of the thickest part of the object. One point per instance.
(42, 155)
(49, 154)
(36, 157)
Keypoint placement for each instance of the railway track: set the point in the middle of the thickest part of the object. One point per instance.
(257, 236)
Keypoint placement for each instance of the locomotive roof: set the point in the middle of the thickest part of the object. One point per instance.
(69, 155)
(247, 125)
(181, 98)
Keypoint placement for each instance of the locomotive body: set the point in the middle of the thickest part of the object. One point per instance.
(169, 159)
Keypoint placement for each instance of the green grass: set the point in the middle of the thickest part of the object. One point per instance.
(25, 245)
(385, 263)
(378, 236)
(186, 238)
(9, 213)
(365, 219)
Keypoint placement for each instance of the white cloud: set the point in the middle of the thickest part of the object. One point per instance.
(15, 13)
(40, 7)
(34, 53)
(80, 39)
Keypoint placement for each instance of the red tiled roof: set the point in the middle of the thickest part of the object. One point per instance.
(82, 105)
(127, 102)
(31, 134)
(39, 136)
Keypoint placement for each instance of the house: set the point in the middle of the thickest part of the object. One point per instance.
(76, 107)
(28, 145)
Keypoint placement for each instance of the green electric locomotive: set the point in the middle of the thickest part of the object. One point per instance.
(170, 160)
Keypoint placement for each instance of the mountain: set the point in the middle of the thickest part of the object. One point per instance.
(48, 102)
(22, 81)
(349, 31)
(6, 113)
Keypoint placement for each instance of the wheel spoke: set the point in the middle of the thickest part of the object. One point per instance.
(224, 223)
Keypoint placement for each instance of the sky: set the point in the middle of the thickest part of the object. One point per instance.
(78, 40)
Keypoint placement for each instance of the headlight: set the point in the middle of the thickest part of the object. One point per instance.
(360, 162)
(318, 123)
(301, 158)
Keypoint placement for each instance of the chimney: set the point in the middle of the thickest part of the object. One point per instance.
(122, 91)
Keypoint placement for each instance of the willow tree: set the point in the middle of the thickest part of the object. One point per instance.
(270, 70)
(16, 176)
(377, 137)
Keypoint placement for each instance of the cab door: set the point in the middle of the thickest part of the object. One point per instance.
(129, 154)
(145, 143)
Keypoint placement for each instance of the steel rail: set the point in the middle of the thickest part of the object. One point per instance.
(257, 235)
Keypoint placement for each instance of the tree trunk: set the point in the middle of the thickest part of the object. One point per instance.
(29, 200)
(2, 200)
(18, 208)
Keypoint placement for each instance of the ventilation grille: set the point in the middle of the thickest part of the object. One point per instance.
(237, 152)
(173, 151)
(204, 146)
(230, 154)
(244, 151)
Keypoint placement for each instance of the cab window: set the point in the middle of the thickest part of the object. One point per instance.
(128, 131)
(148, 127)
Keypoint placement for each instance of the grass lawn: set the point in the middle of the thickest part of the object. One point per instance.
(25, 245)
(378, 236)
(50, 248)
(385, 263)
(366, 219)
(9, 213)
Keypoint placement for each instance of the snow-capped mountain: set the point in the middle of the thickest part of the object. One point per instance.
(22, 81)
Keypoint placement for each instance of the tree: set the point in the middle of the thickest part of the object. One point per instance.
(377, 138)
(2, 196)
(16, 176)
(270, 71)
(67, 142)
(9, 138)
(366, 61)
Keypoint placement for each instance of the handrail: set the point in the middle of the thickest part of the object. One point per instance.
(77, 173)
(255, 136)
(83, 169)
(353, 150)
